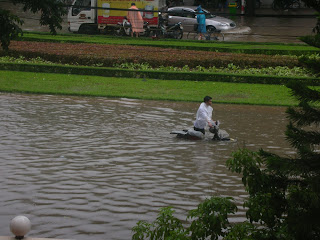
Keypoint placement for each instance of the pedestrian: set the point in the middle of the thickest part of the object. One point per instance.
(135, 20)
(204, 115)
(201, 20)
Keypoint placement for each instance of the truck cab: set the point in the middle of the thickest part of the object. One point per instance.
(82, 16)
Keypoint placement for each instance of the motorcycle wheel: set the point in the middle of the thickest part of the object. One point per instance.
(178, 34)
(146, 33)
(118, 32)
(158, 34)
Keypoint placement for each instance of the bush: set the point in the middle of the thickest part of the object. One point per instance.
(164, 75)
(311, 61)
(313, 40)
(209, 220)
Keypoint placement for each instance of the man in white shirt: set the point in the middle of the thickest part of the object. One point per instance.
(204, 115)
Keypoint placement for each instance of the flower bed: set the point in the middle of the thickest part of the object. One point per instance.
(155, 74)
(108, 55)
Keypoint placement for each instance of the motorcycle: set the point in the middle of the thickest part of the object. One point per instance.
(218, 134)
(124, 28)
(166, 30)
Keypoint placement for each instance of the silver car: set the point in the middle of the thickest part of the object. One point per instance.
(187, 16)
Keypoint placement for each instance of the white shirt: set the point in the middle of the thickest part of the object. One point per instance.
(204, 115)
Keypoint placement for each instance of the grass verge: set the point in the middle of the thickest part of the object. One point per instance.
(240, 93)
(216, 46)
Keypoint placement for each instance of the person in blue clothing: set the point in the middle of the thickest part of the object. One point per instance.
(201, 19)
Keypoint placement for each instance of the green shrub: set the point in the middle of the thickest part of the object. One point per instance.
(231, 68)
(313, 40)
(209, 221)
(311, 61)
(163, 75)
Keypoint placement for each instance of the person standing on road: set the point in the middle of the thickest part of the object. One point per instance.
(201, 19)
(204, 115)
(135, 19)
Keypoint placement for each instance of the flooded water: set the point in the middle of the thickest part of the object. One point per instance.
(271, 29)
(91, 168)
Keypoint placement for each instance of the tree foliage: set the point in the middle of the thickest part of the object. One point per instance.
(209, 221)
(9, 27)
(315, 4)
(51, 12)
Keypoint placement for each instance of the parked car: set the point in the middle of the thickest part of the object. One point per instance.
(187, 16)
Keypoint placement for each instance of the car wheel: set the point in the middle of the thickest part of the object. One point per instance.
(211, 29)
(87, 29)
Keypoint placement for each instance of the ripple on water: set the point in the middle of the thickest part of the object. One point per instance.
(90, 168)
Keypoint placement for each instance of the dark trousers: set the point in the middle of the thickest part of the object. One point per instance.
(199, 129)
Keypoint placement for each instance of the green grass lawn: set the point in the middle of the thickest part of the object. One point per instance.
(238, 93)
(175, 90)
(221, 46)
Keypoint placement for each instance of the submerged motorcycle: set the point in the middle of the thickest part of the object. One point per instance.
(124, 28)
(218, 134)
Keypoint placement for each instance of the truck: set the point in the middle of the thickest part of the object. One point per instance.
(99, 16)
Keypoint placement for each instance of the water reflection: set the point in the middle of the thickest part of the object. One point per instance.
(90, 168)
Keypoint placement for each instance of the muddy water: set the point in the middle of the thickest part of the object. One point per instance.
(90, 168)
(271, 29)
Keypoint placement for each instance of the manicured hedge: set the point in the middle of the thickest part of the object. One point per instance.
(165, 75)
(220, 46)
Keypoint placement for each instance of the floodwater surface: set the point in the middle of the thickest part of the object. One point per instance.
(91, 168)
